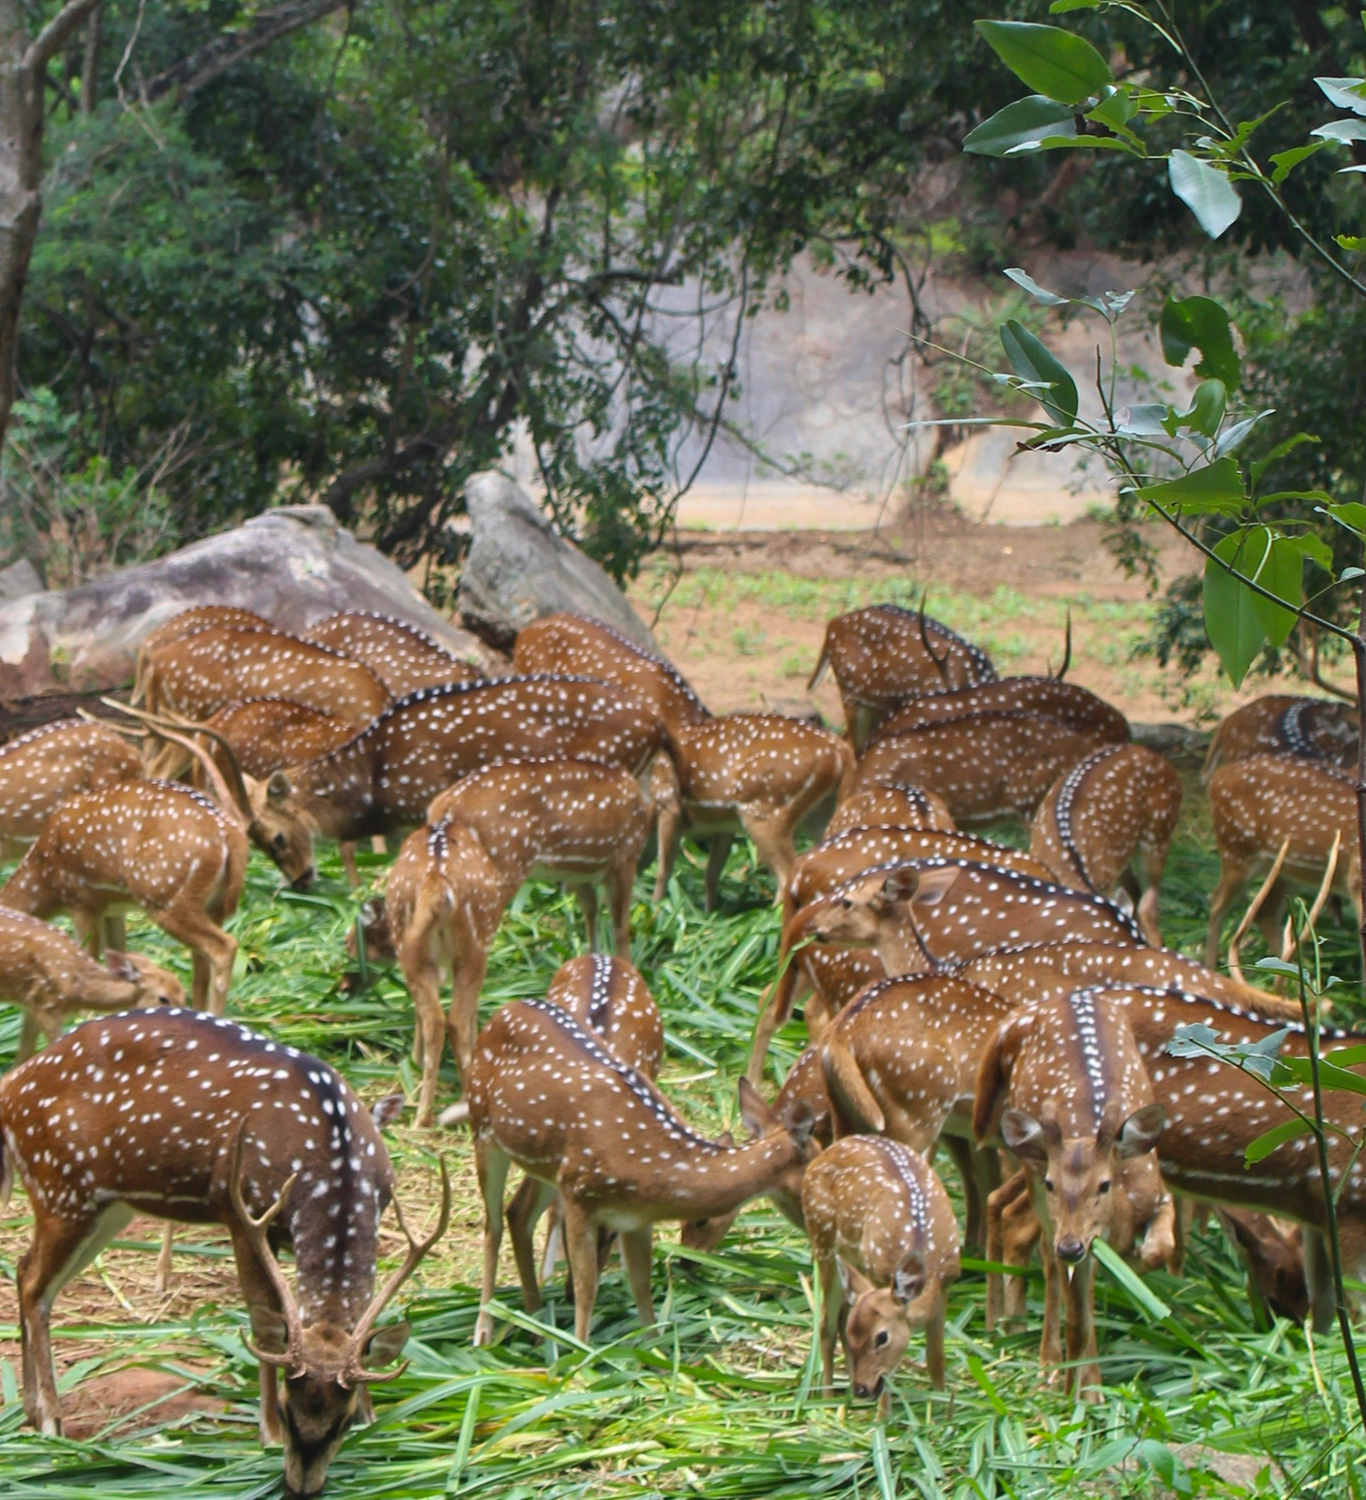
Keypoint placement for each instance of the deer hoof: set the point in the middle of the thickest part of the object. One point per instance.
(483, 1330)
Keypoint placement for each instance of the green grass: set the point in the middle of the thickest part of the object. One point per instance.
(721, 1400)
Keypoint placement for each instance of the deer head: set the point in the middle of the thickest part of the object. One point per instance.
(880, 1321)
(154, 985)
(866, 911)
(1078, 1174)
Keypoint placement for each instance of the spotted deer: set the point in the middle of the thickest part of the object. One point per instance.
(890, 804)
(880, 1225)
(1314, 729)
(918, 923)
(196, 675)
(198, 1120)
(1265, 802)
(41, 769)
(1063, 1083)
(1069, 704)
(190, 622)
(53, 979)
(762, 774)
(884, 654)
(152, 844)
(546, 1095)
(985, 766)
(403, 656)
(383, 779)
(564, 820)
(1119, 805)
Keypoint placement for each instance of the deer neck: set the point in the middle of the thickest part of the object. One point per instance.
(715, 1179)
(336, 793)
(900, 947)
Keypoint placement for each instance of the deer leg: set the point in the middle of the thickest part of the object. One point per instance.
(492, 1165)
(1020, 1234)
(554, 1240)
(832, 1305)
(1232, 878)
(1318, 1279)
(529, 1202)
(60, 1249)
(429, 1031)
(115, 931)
(637, 1255)
(718, 852)
(964, 1158)
(1083, 1373)
(621, 879)
(586, 895)
(999, 1204)
(347, 850)
(161, 1281)
(1050, 1345)
(28, 1037)
(259, 1291)
(581, 1243)
(213, 949)
(934, 1345)
(772, 839)
(669, 829)
(463, 1019)
(89, 930)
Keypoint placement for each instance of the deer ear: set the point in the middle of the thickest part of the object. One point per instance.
(278, 787)
(855, 1283)
(727, 1139)
(385, 1111)
(386, 1344)
(120, 965)
(908, 1280)
(800, 1120)
(901, 884)
(269, 1331)
(758, 1117)
(1024, 1136)
(1140, 1131)
(935, 884)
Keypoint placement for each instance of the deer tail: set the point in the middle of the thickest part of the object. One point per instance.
(814, 681)
(993, 1081)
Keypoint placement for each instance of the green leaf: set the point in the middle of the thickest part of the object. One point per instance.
(1232, 619)
(1209, 401)
(1200, 323)
(1341, 130)
(1285, 162)
(1049, 60)
(1032, 360)
(1116, 108)
(1346, 1057)
(1261, 465)
(1206, 191)
(1147, 1301)
(1061, 7)
(1344, 92)
(1215, 490)
(1039, 293)
(1355, 242)
(1027, 120)
(1073, 142)
(1352, 516)
(1282, 572)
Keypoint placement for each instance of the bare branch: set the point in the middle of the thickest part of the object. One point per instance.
(53, 37)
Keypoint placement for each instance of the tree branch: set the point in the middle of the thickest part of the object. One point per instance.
(216, 57)
(53, 37)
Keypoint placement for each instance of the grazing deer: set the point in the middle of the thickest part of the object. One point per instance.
(402, 656)
(199, 1121)
(196, 675)
(1315, 729)
(152, 844)
(52, 978)
(883, 655)
(383, 779)
(1273, 1252)
(1120, 804)
(563, 820)
(917, 923)
(890, 804)
(546, 1095)
(761, 773)
(41, 769)
(1269, 802)
(190, 622)
(881, 1223)
(984, 765)
(1063, 1082)
(1074, 707)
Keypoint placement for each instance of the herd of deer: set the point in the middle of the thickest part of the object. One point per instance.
(1015, 1005)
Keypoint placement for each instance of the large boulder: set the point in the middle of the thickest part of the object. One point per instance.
(519, 568)
(294, 565)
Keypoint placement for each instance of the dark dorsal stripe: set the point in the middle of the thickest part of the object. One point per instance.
(1175, 993)
(664, 665)
(600, 992)
(980, 669)
(1067, 796)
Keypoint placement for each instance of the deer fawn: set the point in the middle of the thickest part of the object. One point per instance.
(1269, 802)
(984, 765)
(403, 657)
(52, 978)
(760, 773)
(1067, 1085)
(1074, 707)
(198, 1120)
(879, 1221)
(563, 819)
(41, 769)
(152, 844)
(546, 1094)
(1313, 729)
(197, 674)
(883, 655)
(890, 804)
(1118, 804)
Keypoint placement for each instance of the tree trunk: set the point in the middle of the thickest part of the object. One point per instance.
(90, 63)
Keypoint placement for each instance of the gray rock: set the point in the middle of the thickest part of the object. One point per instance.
(295, 565)
(519, 569)
(20, 579)
(1183, 746)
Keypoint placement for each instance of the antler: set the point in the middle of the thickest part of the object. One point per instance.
(1067, 650)
(942, 662)
(255, 1230)
(353, 1372)
(234, 798)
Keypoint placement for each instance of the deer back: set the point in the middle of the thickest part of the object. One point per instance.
(1094, 817)
(269, 733)
(1257, 803)
(41, 769)
(197, 675)
(762, 761)
(609, 996)
(890, 804)
(880, 658)
(570, 645)
(403, 657)
(1073, 706)
(1316, 729)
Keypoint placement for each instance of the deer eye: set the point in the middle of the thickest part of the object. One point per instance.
(846, 904)
(1048, 1184)
(278, 842)
(1103, 1187)
(882, 1337)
